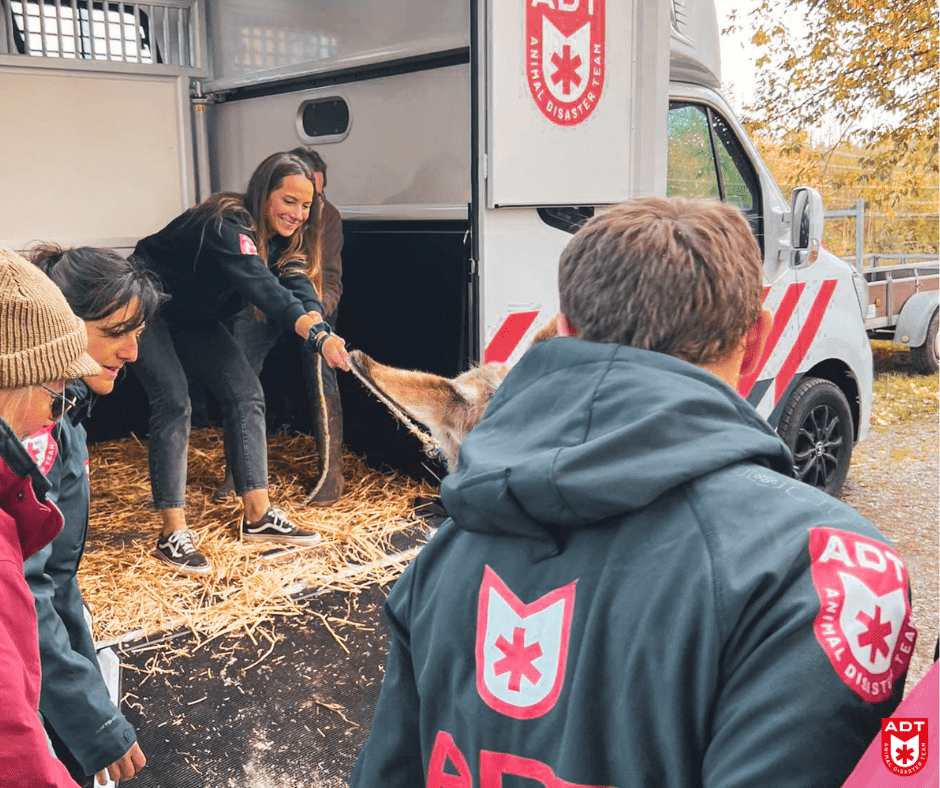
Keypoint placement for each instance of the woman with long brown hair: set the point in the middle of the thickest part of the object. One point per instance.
(230, 250)
(257, 336)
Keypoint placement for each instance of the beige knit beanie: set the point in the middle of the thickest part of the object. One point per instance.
(41, 340)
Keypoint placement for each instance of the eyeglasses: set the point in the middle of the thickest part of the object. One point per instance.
(60, 404)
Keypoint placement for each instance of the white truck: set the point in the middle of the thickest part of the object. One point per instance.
(465, 140)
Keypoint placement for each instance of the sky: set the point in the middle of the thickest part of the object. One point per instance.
(737, 58)
(738, 55)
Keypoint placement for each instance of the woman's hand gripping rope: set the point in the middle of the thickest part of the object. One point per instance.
(318, 335)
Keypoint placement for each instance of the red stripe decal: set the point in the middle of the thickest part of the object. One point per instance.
(781, 318)
(509, 335)
(805, 339)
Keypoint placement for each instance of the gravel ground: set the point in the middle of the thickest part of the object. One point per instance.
(893, 482)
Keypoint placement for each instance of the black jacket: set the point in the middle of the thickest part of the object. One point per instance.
(210, 269)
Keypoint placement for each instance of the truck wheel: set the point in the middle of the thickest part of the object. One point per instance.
(817, 426)
(925, 357)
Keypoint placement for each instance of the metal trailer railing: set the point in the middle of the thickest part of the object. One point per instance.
(858, 213)
(152, 33)
(860, 258)
(890, 286)
(892, 281)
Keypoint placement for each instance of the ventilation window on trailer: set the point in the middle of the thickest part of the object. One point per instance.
(140, 33)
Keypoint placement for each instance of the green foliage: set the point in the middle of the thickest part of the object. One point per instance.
(866, 68)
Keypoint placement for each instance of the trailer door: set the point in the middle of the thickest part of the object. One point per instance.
(98, 147)
(571, 106)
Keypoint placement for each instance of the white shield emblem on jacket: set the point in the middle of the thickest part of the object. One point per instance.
(904, 753)
(521, 649)
(871, 622)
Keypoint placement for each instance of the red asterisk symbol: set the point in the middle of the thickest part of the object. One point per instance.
(904, 754)
(518, 659)
(876, 633)
(567, 68)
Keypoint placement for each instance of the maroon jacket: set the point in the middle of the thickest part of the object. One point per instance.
(27, 524)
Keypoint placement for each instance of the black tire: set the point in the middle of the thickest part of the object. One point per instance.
(817, 426)
(925, 358)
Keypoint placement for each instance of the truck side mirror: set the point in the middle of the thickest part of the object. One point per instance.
(806, 226)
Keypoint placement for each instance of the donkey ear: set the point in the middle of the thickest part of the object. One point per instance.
(423, 396)
(430, 399)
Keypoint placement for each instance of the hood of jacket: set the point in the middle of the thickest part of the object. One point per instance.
(580, 432)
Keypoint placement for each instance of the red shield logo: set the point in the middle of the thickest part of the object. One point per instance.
(904, 744)
(521, 649)
(42, 447)
(565, 57)
(864, 620)
(246, 245)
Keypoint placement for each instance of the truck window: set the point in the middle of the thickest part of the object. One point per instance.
(690, 171)
(705, 159)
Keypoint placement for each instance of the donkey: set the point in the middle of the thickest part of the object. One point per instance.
(448, 407)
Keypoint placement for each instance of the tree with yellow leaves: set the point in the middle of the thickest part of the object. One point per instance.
(865, 70)
(901, 210)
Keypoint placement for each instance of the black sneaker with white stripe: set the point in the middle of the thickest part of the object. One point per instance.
(177, 550)
(275, 527)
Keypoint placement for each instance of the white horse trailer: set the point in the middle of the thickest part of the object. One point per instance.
(465, 139)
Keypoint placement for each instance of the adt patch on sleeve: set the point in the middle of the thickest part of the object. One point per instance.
(43, 448)
(864, 620)
(246, 245)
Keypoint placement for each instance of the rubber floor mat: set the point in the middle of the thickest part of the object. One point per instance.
(232, 715)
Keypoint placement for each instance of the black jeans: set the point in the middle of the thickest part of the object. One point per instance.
(168, 354)
(256, 338)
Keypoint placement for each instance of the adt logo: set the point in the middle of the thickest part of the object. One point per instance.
(521, 649)
(565, 57)
(904, 744)
(864, 620)
(42, 448)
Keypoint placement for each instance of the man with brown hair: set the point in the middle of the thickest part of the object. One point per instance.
(632, 590)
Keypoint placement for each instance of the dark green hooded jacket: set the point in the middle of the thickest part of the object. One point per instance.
(628, 594)
(74, 701)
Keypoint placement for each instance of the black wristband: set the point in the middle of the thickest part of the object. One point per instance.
(316, 328)
(321, 341)
(323, 329)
